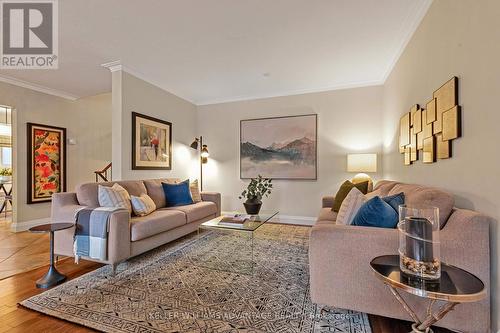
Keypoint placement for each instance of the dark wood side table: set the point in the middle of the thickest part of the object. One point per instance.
(52, 277)
(454, 287)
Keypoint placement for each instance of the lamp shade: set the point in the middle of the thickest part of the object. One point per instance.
(194, 144)
(362, 163)
(204, 151)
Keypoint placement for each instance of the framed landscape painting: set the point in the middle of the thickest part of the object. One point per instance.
(151, 143)
(46, 162)
(279, 147)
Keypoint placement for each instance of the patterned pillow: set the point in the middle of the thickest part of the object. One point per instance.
(350, 206)
(195, 191)
(142, 205)
(114, 196)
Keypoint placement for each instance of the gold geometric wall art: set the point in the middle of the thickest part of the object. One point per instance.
(443, 148)
(432, 130)
(429, 150)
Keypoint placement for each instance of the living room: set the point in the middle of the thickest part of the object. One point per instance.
(357, 81)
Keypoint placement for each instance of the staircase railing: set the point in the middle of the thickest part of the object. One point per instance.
(103, 174)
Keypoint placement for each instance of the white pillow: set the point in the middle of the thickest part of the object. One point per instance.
(350, 206)
(142, 205)
(114, 196)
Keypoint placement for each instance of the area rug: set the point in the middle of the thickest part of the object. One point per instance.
(173, 289)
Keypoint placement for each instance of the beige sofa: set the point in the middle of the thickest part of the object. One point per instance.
(131, 236)
(340, 255)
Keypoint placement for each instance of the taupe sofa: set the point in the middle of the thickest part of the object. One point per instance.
(131, 236)
(339, 258)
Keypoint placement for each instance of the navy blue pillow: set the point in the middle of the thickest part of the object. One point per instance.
(177, 194)
(395, 200)
(376, 213)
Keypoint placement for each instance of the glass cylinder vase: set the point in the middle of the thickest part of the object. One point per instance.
(419, 242)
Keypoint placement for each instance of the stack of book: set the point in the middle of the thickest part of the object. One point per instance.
(234, 220)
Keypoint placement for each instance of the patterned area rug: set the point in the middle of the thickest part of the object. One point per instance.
(185, 287)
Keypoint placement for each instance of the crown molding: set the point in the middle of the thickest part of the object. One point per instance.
(117, 65)
(410, 25)
(37, 87)
(352, 85)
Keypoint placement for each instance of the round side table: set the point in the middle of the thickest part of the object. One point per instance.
(454, 287)
(52, 277)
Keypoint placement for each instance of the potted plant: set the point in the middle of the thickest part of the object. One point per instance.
(6, 174)
(255, 191)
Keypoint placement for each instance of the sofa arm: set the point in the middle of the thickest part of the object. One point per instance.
(339, 261)
(327, 201)
(64, 207)
(213, 197)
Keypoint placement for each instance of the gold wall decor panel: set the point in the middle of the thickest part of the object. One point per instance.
(429, 150)
(413, 110)
(446, 98)
(431, 111)
(420, 140)
(407, 155)
(413, 146)
(427, 128)
(417, 121)
(451, 123)
(433, 129)
(443, 148)
(404, 135)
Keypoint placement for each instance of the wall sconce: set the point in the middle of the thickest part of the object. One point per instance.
(362, 163)
(198, 142)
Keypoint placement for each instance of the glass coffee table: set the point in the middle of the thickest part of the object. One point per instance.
(234, 247)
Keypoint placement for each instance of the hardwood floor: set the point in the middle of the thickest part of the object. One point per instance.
(14, 318)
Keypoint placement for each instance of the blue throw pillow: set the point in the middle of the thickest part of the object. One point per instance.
(376, 213)
(395, 200)
(177, 194)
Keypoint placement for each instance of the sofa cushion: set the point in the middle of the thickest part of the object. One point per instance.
(142, 205)
(87, 193)
(196, 211)
(350, 206)
(376, 213)
(177, 194)
(327, 214)
(114, 196)
(419, 195)
(157, 222)
(155, 190)
(382, 189)
(344, 190)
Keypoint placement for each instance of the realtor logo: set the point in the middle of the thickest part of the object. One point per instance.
(29, 34)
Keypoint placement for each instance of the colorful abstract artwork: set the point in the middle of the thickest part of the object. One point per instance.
(46, 162)
(151, 143)
(279, 148)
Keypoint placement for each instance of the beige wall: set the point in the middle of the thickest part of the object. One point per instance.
(348, 121)
(455, 38)
(131, 94)
(87, 120)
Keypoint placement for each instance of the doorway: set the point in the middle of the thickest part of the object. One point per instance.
(6, 165)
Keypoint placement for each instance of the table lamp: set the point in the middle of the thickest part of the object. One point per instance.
(362, 163)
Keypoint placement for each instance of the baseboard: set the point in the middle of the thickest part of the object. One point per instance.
(25, 225)
(296, 220)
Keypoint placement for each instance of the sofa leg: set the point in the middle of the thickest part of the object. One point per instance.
(113, 269)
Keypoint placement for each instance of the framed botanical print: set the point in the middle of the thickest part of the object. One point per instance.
(46, 162)
(151, 143)
(279, 147)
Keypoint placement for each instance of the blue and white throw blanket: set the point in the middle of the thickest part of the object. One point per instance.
(91, 232)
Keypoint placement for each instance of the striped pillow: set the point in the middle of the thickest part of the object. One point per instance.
(114, 196)
(350, 206)
(142, 205)
(195, 191)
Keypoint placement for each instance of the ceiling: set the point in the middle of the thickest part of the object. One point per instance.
(209, 51)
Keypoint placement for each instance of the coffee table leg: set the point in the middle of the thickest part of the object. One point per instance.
(52, 277)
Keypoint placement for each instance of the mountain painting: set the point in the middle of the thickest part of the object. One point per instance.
(279, 148)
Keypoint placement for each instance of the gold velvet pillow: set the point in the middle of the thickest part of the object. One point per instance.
(344, 190)
(195, 191)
